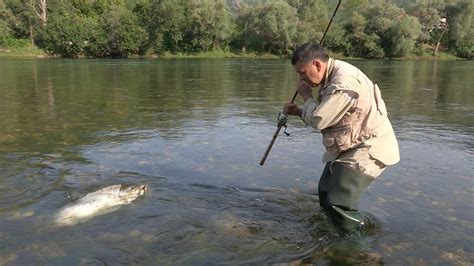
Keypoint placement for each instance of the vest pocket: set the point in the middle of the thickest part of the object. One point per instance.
(343, 141)
(327, 141)
(337, 139)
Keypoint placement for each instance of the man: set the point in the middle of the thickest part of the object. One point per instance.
(357, 134)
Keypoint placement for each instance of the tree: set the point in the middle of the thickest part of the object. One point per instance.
(379, 26)
(6, 17)
(124, 35)
(269, 27)
(313, 19)
(165, 23)
(207, 25)
(399, 40)
(429, 17)
(362, 44)
(461, 28)
(42, 13)
(170, 20)
(73, 29)
(380, 17)
(65, 35)
(444, 25)
(118, 28)
(20, 19)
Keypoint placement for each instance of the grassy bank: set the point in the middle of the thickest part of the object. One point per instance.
(428, 55)
(220, 54)
(425, 56)
(31, 51)
(34, 52)
(27, 51)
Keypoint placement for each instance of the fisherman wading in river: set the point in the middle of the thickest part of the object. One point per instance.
(349, 111)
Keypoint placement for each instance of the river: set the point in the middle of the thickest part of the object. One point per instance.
(194, 130)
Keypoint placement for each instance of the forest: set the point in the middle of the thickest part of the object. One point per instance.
(123, 28)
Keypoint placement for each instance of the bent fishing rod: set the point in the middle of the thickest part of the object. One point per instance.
(282, 119)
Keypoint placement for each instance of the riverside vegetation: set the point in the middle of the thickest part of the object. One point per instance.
(220, 28)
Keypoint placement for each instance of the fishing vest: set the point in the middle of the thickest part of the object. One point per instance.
(367, 114)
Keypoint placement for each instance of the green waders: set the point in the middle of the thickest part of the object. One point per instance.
(339, 190)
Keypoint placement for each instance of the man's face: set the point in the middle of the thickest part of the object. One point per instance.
(312, 72)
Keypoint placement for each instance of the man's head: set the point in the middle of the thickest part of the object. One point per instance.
(310, 61)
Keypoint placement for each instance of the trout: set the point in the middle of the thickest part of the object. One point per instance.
(103, 201)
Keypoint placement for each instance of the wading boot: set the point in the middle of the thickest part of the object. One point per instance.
(350, 220)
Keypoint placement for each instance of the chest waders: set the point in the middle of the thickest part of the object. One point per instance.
(339, 190)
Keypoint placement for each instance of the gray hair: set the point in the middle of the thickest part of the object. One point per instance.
(308, 52)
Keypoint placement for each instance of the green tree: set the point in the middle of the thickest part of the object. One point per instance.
(20, 18)
(269, 27)
(65, 35)
(207, 25)
(165, 23)
(124, 35)
(428, 16)
(172, 20)
(461, 28)
(380, 17)
(313, 19)
(335, 40)
(118, 28)
(362, 44)
(95, 43)
(6, 17)
(374, 32)
(399, 40)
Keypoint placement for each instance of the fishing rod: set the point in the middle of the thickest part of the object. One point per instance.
(282, 119)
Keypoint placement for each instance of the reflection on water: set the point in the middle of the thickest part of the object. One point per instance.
(194, 131)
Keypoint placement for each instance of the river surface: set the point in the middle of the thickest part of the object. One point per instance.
(195, 130)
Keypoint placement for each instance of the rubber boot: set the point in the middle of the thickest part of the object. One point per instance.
(340, 188)
(347, 220)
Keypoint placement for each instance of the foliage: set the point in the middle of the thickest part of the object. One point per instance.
(165, 23)
(400, 38)
(269, 27)
(119, 28)
(461, 28)
(15, 18)
(124, 35)
(115, 34)
(65, 35)
(8, 42)
(312, 19)
(208, 25)
(361, 43)
(428, 16)
(5, 18)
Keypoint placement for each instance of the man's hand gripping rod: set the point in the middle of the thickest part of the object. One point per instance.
(282, 122)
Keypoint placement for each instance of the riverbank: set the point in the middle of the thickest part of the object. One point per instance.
(219, 54)
(31, 52)
(425, 56)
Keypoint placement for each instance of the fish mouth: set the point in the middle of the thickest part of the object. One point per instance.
(133, 190)
(143, 189)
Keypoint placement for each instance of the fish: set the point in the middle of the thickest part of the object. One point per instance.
(100, 202)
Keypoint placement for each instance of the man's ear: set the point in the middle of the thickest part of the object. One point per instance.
(317, 64)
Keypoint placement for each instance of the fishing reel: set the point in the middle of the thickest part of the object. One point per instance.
(282, 120)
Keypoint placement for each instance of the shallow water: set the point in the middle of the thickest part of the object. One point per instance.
(194, 131)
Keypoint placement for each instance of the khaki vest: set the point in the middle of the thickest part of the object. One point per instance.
(362, 121)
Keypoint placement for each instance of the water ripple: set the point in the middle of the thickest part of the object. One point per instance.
(33, 177)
